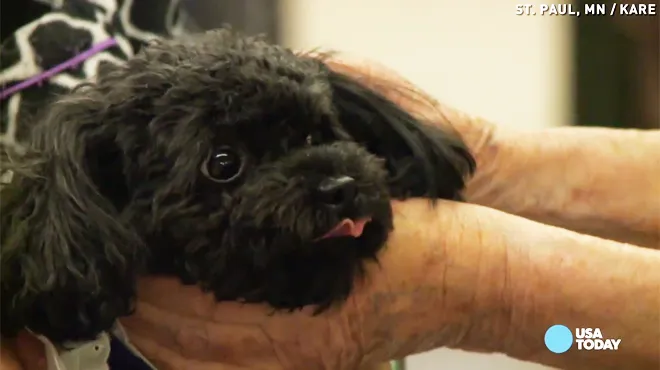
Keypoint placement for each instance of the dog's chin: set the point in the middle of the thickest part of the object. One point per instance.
(322, 272)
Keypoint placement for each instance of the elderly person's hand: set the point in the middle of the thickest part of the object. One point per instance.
(563, 176)
(458, 259)
(458, 275)
(180, 328)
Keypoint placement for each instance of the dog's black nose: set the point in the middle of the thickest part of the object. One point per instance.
(337, 191)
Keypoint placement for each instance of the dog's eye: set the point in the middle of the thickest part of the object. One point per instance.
(223, 165)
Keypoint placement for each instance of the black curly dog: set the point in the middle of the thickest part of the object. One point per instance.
(259, 174)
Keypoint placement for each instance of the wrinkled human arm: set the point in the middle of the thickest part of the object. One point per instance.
(487, 281)
(599, 181)
(465, 277)
(461, 275)
(456, 275)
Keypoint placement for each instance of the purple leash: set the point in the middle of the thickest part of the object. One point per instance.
(40, 78)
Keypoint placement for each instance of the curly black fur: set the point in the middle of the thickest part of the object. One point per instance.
(205, 159)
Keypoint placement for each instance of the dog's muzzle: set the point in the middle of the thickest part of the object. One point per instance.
(337, 192)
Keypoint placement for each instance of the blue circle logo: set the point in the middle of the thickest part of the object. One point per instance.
(558, 339)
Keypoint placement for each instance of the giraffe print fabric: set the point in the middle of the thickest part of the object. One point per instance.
(58, 35)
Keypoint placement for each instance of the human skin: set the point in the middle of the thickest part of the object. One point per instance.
(472, 280)
(567, 176)
(599, 181)
(477, 279)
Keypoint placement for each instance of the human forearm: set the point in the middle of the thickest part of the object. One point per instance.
(482, 280)
(600, 181)
(604, 182)
(560, 277)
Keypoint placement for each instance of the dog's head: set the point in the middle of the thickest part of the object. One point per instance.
(260, 174)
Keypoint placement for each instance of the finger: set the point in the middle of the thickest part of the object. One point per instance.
(195, 337)
(278, 344)
(30, 352)
(165, 358)
(192, 302)
(8, 357)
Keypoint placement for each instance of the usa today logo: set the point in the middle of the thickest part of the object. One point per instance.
(559, 339)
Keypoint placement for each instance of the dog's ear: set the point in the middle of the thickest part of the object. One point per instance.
(423, 160)
(68, 263)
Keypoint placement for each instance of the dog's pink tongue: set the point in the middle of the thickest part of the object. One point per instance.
(347, 227)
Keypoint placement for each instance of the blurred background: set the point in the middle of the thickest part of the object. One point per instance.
(477, 55)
